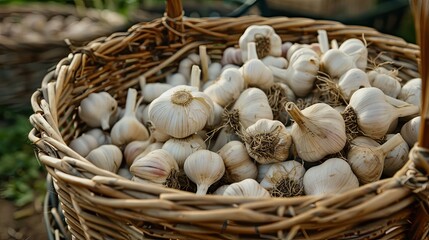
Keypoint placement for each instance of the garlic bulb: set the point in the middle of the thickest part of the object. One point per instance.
(176, 79)
(151, 91)
(227, 88)
(333, 176)
(157, 166)
(262, 171)
(225, 135)
(284, 179)
(356, 49)
(151, 147)
(251, 105)
(220, 190)
(367, 162)
(97, 109)
(267, 141)
(396, 158)
(411, 92)
(266, 40)
(186, 64)
(128, 128)
(375, 111)
(181, 111)
(101, 136)
(204, 168)
(318, 130)
(181, 148)
(278, 95)
(386, 81)
(107, 157)
(410, 131)
(255, 72)
(278, 62)
(84, 144)
(246, 188)
(216, 119)
(351, 81)
(238, 164)
(156, 134)
(301, 72)
(214, 71)
(335, 63)
(134, 148)
(232, 55)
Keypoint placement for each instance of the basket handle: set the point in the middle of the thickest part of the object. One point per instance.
(421, 20)
(173, 17)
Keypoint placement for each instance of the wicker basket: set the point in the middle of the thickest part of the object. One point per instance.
(101, 205)
(24, 61)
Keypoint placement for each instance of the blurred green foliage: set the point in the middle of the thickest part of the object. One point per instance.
(21, 176)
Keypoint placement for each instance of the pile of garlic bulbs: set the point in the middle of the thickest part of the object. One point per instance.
(270, 119)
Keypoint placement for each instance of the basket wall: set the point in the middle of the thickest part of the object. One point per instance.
(102, 205)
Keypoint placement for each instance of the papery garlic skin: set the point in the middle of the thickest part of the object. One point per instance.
(204, 168)
(107, 157)
(333, 176)
(214, 71)
(410, 131)
(284, 179)
(267, 141)
(266, 40)
(238, 164)
(411, 92)
(181, 111)
(232, 55)
(84, 144)
(356, 49)
(255, 73)
(246, 188)
(262, 171)
(220, 190)
(151, 91)
(134, 148)
(101, 136)
(386, 81)
(278, 62)
(353, 80)
(157, 166)
(96, 109)
(128, 128)
(181, 148)
(227, 88)
(318, 130)
(335, 63)
(396, 158)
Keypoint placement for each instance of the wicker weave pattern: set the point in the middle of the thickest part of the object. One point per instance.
(99, 204)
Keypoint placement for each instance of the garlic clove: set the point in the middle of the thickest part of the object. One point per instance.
(333, 176)
(157, 166)
(246, 188)
(181, 148)
(267, 141)
(284, 179)
(204, 168)
(238, 164)
(107, 157)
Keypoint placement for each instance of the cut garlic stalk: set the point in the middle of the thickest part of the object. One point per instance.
(255, 73)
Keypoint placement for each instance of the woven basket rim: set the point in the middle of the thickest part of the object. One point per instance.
(46, 135)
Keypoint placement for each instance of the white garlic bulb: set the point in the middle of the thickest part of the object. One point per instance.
(278, 62)
(251, 105)
(318, 130)
(107, 157)
(216, 119)
(181, 148)
(356, 49)
(396, 158)
(204, 168)
(255, 73)
(226, 88)
(128, 128)
(84, 144)
(176, 79)
(220, 190)
(375, 111)
(335, 63)
(151, 147)
(262, 171)
(351, 81)
(238, 164)
(157, 166)
(101, 136)
(411, 92)
(284, 179)
(266, 40)
(367, 162)
(410, 131)
(181, 111)
(386, 81)
(135, 148)
(267, 141)
(333, 176)
(150, 91)
(225, 135)
(301, 71)
(97, 108)
(186, 64)
(246, 188)
(232, 55)
(214, 71)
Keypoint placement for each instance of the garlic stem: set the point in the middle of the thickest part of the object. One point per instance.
(130, 105)
(301, 120)
(402, 108)
(251, 51)
(322, 37)
(391, 144)
(204, 62)
(142, 82)
(202, 189)
(334, 44)
(195, 76)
